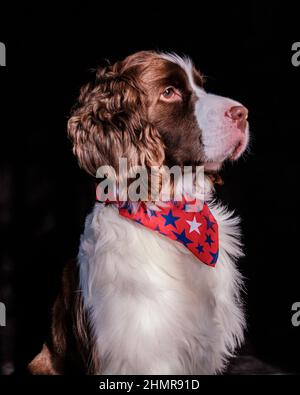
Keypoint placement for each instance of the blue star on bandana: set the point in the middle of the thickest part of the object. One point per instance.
(208, 240)
(200, 248)
(127, 206)
(209, 223)
(170, 219)
(182, 238)
(152, 213)
(214, 257)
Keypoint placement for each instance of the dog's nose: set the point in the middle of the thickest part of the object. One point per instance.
(238, 114)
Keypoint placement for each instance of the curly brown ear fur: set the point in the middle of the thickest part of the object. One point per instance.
(110, 120)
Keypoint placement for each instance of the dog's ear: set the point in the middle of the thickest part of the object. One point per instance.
(110, 121)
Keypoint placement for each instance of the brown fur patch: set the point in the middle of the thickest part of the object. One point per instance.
(69, 349)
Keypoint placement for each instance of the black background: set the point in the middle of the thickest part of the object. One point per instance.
(244, 49)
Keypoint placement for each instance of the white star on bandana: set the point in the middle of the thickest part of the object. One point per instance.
(194, 225)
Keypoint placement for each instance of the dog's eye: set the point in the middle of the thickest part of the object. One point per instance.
(171, 94)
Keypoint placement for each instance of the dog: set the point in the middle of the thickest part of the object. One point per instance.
(136, 301)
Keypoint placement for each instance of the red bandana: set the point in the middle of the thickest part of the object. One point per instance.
(197, 230)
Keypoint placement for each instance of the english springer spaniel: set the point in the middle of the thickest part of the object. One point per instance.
(137, 301)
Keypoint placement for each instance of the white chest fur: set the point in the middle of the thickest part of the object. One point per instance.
(154, 308)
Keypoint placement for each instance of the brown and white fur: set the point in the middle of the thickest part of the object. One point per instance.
(137, 302)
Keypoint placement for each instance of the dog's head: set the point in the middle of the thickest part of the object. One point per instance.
(152, 109)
